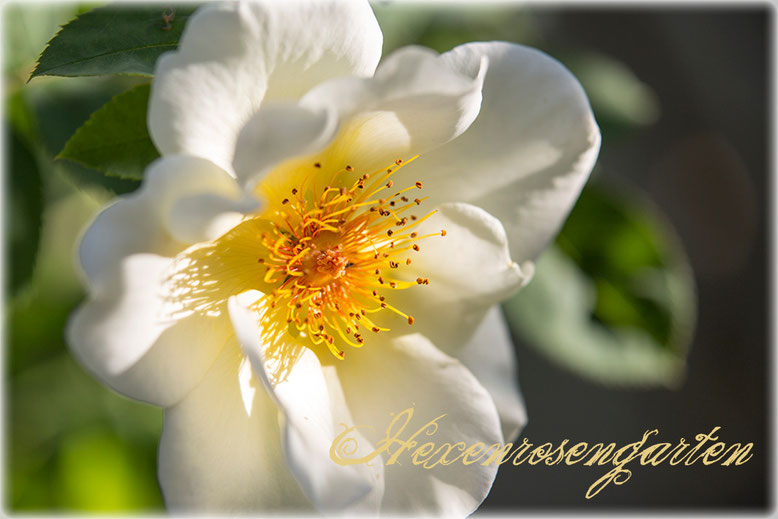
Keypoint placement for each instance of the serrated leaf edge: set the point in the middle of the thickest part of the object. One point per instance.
(62, 155)
(35, 73)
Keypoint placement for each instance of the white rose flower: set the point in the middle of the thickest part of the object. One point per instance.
(326, 242)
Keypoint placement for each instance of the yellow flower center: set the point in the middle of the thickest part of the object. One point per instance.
(332, 254)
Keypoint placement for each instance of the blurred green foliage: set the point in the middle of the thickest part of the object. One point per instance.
(621, 100)
(25, 204)
(72, 444)
(627, 246)
(613, 297)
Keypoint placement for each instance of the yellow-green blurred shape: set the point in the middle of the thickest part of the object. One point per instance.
(98, 472)
(614, 91)
(443, 28)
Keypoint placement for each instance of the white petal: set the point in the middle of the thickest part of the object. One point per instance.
(409, 372)
(206, 216)
(308, 426)
(279, 131)
(220, 450)
(126, 334)
(232, 56)
(490, 356)
(203, 218)
(529, 151)
(469, 271)
(146, 221)
(413, 93)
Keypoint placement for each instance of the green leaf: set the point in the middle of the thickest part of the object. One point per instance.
(115, 140)
(25, 205)
(614, 299)
(61, 107)
(87, 178)
(115, 39)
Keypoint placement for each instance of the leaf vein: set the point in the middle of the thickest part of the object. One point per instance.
(110, 53)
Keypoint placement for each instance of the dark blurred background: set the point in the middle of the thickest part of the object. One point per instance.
(705, 163)
(682, 99)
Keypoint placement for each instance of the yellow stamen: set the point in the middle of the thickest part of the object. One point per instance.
(331, 247)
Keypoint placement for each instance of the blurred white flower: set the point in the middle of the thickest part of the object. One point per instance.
(326, 242)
